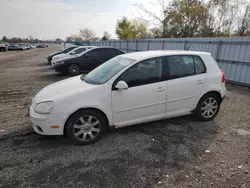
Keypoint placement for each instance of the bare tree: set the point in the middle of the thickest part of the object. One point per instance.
(87, 34)
(154, 18)
(76, 38)
(244, 27)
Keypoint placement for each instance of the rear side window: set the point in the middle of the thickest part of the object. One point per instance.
(180, 66)
(96, 54)
(183, 66)
(110, 53)
(117, 52)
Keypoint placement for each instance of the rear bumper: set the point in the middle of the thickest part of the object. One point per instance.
(223, 91)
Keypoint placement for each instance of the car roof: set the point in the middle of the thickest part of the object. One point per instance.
(104, 47)
(158, 53)
(79, 47)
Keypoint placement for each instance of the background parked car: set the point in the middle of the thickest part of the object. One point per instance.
(73, 53)
(67, 50)
(26, 46)
(15, 47)
(87, 61)
(41, 46)
(4, 46)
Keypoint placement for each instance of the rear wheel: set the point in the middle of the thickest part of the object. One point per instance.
(73, 70)
(85, 127)
(208, 107)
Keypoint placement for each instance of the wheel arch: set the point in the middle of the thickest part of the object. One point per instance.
(213, 92)
(88, 108)
(217, 93)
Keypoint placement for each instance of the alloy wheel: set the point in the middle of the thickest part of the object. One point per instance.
(209, 107)
(74, 69)
(86, 128)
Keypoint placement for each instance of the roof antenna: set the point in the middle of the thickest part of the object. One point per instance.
(189, 46)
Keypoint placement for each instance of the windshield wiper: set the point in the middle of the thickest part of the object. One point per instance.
(83, 78)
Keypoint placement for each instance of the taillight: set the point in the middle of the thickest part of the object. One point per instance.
(223, 79)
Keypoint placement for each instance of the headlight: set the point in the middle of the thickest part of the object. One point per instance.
(59, 63)
(44, 107)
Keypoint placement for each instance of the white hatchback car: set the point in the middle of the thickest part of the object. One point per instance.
(130, 89)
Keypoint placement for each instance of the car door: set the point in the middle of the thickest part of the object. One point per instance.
(187, 76)
(145, 98)
(92, 59)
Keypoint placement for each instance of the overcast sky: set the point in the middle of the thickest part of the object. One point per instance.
(48, 19)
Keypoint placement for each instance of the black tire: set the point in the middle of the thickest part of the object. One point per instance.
(201, 107)
(2, 49)
(84, 137)
(73, 70)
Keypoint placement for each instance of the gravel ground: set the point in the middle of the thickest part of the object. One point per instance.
(179, 152)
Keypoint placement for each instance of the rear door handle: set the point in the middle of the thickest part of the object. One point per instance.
(160, 89)
(200, 82)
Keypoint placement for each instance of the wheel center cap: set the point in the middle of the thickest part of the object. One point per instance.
(87, 127)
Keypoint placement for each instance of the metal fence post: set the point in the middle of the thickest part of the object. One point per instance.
(218, 50)
(148, 44)
(185, 45)
(136, 45)
(162, 45)
(127, 45)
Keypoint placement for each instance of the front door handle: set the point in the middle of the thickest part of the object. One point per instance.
(200, 82)
(160, 89)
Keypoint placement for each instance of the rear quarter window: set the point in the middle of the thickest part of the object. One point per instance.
(200, 67)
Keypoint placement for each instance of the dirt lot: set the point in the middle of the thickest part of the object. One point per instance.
(180, 152)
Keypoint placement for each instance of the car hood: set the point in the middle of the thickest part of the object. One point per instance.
(63, 56)
(53, 53)
(64, 87)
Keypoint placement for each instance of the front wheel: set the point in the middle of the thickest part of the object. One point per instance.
(208, 107)
(85, 127)
(74, 70)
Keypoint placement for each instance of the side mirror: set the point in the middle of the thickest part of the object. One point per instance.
(72, 53)
(86, 56)
(121, 85)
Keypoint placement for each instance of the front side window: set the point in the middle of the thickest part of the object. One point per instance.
(145, 72)
(106, 71)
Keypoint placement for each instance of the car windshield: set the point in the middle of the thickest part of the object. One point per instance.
(106, 71)
(68, 49)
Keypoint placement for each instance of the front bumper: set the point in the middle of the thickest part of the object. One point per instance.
(42, 123)
(61, 68)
